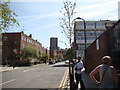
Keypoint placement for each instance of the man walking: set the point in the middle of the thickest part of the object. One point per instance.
(78, 67)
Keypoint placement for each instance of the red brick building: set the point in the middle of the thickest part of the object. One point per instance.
(15, 42)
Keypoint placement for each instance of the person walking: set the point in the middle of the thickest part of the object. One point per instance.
(107, 74)
(78, 73)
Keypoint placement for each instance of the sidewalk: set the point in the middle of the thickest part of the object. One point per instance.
(7, 68)
(87, 81)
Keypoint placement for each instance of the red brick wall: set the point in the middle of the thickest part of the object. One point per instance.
(94, 55)
(11, 41)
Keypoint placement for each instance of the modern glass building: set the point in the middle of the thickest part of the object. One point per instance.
(53, 43)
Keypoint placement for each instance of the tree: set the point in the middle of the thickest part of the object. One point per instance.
(45, 57)
(66, 22)
(7, 16)
(69, 54)
(67, 25)
(28, 52)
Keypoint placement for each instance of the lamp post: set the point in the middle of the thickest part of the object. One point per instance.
(84, 30)
(84, 34)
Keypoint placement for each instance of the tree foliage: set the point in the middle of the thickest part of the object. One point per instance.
(66, 22)
(29, 52)
(69, 54)
(45, 57)
(7, 16)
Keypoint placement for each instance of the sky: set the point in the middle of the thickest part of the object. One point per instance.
(41, 17)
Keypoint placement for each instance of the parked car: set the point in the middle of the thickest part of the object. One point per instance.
(59, 60)
(56, 61)
(52, 62)
(67, 62)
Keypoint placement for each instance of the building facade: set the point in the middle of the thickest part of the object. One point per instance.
(92, 29)
(53, 43)
(53, 46)
(60, 53)
(118, 10)
(15, 42)
(107, 43)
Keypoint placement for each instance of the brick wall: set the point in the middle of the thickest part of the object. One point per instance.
(98, 49)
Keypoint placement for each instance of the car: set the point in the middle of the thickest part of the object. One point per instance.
(56, 61)
(52, 62)
(67, 62)
(59, 60)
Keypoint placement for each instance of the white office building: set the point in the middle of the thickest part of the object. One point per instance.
(118, 10)
(93, 30)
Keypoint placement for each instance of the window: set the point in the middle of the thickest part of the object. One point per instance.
(100, 25)
(90, 25)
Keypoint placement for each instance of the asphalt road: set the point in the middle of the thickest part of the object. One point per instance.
(37, 76)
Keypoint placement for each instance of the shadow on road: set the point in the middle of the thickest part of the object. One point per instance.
(63, 65)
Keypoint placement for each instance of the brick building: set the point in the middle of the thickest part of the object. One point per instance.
(15, 42)
(60, 53)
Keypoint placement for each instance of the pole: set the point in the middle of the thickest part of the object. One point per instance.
(84, 34)
(84, 38)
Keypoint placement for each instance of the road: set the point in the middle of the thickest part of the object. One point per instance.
(37, 76)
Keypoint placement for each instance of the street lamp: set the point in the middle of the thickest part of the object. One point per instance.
(84, 34)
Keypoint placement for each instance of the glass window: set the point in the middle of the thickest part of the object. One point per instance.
(100, 25)
(79, 33)
(90, 25)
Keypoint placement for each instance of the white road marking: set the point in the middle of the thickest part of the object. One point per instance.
(29, 70)
(8, 81)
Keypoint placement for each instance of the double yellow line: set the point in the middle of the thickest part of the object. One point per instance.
(64, 80)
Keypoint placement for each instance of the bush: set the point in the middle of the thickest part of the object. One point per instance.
(25, 63)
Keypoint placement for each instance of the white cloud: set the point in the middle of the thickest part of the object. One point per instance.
(38, 17)
(103, 5)
(45, 27)
(98, 10)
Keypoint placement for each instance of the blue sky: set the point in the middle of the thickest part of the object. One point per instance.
(41, 17)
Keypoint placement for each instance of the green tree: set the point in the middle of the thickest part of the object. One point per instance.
(29, 52)
(69, 54)
(44, 58)
(7, 16)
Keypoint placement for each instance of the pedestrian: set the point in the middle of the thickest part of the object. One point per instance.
(19, 63)
(78, 73)
(14, 64)
(107, 74)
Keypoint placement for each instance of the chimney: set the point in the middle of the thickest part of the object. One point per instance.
(30, 35)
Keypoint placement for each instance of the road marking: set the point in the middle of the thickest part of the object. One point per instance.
(29, 70)
(64, 79)
(8, 81)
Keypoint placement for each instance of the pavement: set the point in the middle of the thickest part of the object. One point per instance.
(89, 84)
(8, 68)
(87, 81)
